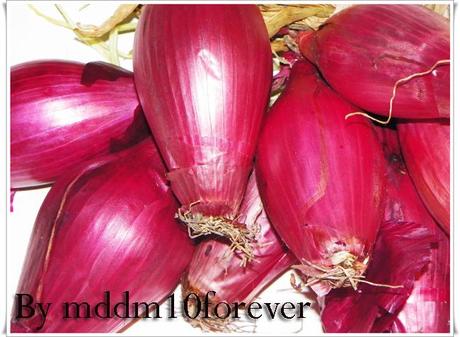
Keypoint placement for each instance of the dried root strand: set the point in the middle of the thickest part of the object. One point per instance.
(346, 271)
(214, 324)
(222, 325)
(120, 15)
(278, 16)
(278, 45)
(240, 236)
(210, 323)
(440, 9)
(393, 96)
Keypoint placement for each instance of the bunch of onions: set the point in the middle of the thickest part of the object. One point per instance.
(412, 251)
(203, 108)
(426, 150)
(213, 268)
(105, 226)
(63, 113)
(379, 48)
(321, 180)
(367, 234)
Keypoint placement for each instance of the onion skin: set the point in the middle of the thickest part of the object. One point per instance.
(426, 150)
(376, 45)
(427, 309)
(211, 268)
(411, 250)
(321, 177)
(401, 251)
(121, 207)
(66, 112)
(202, 107)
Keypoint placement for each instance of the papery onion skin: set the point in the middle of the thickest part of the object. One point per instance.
(321, 177)
(426, 150)
(427, 309)
(373, 46)
(65, 112)
(411, 250)
(401, 251)
(107, 226)
(203, 73)
(213, 268)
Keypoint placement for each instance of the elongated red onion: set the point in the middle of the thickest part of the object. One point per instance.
(374, 46)
(104, 227)
(213, 268)
(321, 180)
(203, 73)
(66, 112)
(412, 251)
(426, 150)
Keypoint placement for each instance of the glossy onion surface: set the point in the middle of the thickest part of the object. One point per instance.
(106, 226)
(363, 50)
(204, 98)
(66, 112)
(321, 177)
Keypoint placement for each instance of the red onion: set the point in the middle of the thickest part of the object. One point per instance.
(426, 150)
(108, 226)
(213, 269)
(321, 180)
(401, 257)
(65, 112)
(401, 251)
(203, 73)
(427, 308)
(374, 46)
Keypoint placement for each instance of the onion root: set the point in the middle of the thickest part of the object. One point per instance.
(346, 271)
(240, 236)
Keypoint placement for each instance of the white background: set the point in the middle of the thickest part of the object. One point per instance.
(31, 37)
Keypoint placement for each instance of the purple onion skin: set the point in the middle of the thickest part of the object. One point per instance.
(108, 226)
(66, 112)
(205, 98)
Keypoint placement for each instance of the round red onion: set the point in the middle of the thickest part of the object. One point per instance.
(374, 46)
(204, 100)
(321, 179)
(105, 226)
(66, 112)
